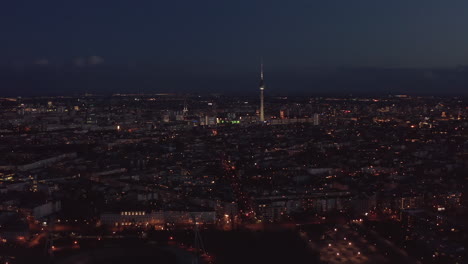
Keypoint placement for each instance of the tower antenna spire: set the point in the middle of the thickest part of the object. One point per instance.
(261, 68)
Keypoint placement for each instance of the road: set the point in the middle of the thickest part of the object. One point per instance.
(243, 200)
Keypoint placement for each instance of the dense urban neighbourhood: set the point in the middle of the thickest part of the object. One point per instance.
(327, 179)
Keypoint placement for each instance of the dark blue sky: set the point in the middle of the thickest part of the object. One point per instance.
(229, 37)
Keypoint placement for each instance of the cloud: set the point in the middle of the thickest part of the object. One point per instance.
(84, 61)
(42, 62)
(94, 60)
(79, 62)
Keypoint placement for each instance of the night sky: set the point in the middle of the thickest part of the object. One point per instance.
(313, 46)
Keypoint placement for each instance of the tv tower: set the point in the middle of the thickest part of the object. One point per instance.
(185, 111)
(262, 87)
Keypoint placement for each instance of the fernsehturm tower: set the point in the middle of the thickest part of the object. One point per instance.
(262, 87)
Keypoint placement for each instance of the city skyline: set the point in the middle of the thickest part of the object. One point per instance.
(103, 79)
(227, 132)
(139, 178)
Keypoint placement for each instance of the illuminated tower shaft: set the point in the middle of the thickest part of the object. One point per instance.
(262, 113)
(262, 88)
